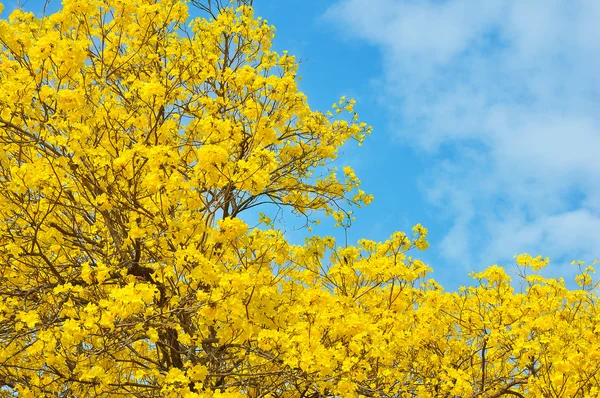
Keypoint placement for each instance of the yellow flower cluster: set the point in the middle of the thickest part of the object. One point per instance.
(133, 142)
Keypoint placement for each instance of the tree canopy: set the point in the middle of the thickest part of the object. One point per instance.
(134, 139)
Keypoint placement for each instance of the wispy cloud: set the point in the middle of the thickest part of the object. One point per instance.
(504, 97)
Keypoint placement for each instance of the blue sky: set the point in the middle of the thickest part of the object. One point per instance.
(485, 115)
(486, 120)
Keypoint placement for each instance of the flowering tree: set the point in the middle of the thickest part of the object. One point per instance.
(133, 141)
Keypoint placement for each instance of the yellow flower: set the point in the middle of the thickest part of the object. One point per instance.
(30, 318)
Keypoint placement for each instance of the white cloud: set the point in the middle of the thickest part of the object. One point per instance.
(571, 235)
(504, 97)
